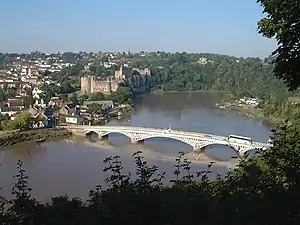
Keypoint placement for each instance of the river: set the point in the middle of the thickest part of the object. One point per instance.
(74, 166)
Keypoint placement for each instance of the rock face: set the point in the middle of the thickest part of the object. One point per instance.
(139, 83)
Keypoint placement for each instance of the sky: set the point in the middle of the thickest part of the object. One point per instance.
(215, 26)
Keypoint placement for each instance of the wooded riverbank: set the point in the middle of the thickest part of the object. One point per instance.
(18, 136)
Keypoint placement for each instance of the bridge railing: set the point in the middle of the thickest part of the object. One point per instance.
(159, 130)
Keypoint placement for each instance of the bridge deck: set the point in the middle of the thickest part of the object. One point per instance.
(159, 130)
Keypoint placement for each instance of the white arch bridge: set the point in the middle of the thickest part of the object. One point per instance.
(197, 140)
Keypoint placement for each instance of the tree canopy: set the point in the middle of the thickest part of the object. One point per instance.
(282, 22)
(205, 71)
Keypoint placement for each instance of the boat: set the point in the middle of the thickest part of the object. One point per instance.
(40, 140)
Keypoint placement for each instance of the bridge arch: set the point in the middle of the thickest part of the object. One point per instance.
(235, 149)
(182, 140)
(92, 135)
(117, 132)
(207, 144)
(91, 132)
(106, 133)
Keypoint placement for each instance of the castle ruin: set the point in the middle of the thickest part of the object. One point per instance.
(90, 84)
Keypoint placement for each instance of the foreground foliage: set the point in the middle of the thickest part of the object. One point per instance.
(263, 190)
(282, 23)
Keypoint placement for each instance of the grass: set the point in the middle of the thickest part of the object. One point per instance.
(8, 138)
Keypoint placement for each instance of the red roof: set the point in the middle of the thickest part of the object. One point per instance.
(15, 100)
(15, 115)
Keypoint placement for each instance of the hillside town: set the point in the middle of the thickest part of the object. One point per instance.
(33, 83)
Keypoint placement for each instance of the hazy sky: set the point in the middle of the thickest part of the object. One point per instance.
(217, 26)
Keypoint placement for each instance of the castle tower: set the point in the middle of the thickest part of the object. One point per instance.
(121, 69)
(109, 85)
(119, 73)
(85, 84)
(92, 84)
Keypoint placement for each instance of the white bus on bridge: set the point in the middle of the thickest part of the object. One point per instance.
(240, 139)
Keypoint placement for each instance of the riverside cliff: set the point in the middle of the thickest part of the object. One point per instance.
(140, 83)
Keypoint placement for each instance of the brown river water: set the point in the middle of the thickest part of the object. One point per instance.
(74, 166)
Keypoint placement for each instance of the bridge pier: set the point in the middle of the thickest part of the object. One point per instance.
(198, 147)
(136, 141)
(133, 141)
(104, 137)
(199, 155)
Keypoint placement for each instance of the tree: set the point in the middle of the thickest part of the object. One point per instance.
(94, 108)
(3, 121)
(28, 100)
(122, 95)
(23, 120)
(282, 21)
(99, 96)
(74, 98)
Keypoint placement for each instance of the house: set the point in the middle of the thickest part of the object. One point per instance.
(66, 108)
(63, 111)
(74, 116)
(9, 110)
(15, 102)
(11, 106)
(56, 101)
(38, 117)
(108, 104)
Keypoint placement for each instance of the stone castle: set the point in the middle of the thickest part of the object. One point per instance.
(139, 81)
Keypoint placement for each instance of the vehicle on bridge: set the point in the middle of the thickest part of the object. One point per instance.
(167, 130)
(240, 139)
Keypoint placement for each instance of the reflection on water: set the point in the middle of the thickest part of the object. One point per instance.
(75, 166)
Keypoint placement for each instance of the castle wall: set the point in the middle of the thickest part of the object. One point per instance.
(114, 85)
(123, 73)
(101, 86)
(145, 71)
(139, 83)
(118, 75)
(92, 83)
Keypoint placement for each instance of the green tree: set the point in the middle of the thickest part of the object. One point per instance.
(97, 97)
(23, 120)
(94, 108)
(28, 100)
(282, 22)
(123, 95)
(3, 118)
(74, 98)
